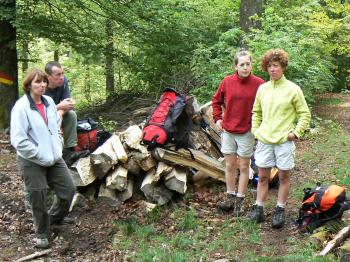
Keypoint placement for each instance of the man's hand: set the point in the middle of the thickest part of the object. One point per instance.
(219, 124)
(291, 137)
(66, 105)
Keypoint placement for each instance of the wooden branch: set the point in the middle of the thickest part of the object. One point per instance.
(336, 241)
(202, 162)
(34, 255)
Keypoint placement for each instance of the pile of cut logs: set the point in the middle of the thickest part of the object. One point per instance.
(123, 165)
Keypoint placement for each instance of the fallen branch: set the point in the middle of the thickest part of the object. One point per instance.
(336, 241)
(34, 255)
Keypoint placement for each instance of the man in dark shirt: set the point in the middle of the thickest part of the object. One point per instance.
(58, 90)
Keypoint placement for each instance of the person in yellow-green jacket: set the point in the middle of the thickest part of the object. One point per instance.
(280, 116)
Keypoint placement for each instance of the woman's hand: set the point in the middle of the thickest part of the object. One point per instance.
(291, 137)
(219, 124)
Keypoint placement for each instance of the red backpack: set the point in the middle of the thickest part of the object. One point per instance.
(161, 127)
(87, 135)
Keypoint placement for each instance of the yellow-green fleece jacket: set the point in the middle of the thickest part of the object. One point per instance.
(279, 109)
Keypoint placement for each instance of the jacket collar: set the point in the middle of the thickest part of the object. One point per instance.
(32, 103)
(242, 80)
(279, 81)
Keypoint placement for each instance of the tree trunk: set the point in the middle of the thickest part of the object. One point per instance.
(250, 14)
(25, 50)
(8, 62)
(109, 56)
(56, 56)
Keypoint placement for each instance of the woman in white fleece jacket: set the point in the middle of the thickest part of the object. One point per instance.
(35, 135)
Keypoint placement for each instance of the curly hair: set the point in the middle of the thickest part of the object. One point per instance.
(274, 55)
(31, 75)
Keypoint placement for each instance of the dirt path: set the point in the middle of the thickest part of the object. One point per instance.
(90, 239)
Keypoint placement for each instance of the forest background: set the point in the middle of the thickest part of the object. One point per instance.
(135, 46)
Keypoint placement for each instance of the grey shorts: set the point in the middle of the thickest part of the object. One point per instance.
(240, 144)
(282, 155)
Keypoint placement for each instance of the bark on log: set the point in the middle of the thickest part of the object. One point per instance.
(117, 179)
(153, 191)
(119, 149)
(132, 166)
(106, 192)
(336, 241)
(176, 180)
(103, 159)
(75, 176)
(201, 161)
(132, 137)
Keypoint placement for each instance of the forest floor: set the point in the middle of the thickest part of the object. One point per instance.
(191, 228)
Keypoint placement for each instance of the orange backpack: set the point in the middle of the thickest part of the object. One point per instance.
(320, 205)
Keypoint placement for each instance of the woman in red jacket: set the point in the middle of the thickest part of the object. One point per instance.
(232, 112)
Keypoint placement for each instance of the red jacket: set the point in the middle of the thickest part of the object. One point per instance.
(236, 96)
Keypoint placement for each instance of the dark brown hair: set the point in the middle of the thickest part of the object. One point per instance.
(274, 55)
(30, 76)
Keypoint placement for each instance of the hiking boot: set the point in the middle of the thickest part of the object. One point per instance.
(41, 242)
(238, 209)
(64, 221)
(278, 218)
(228, 204)
(257, 215)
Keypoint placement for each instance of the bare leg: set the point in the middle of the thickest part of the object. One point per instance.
(263, 184)
(231, 172)
(283, 190)
(243, 175)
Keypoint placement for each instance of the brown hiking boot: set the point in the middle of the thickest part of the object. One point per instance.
(257, 215)
(228, 204)
(239, 206)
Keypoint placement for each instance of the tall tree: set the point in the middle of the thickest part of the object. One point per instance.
(109, 59)
(250, 14)
(8, 61)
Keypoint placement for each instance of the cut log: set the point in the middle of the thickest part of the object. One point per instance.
(132, 166)
(127, 193)
(119, 149)
(117, 179)
(200, 179)
(336, 241)
(85, 170)
(78, 201)
(106, 192)
(103, 159)
(132, 137)
(75, 176)
(202, 162)
(153, 191)
(162, 169)
(176, 180)
(144, 160)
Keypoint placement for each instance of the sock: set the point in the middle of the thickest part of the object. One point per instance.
(260, 204)
(281, 205)
(240, 195)
(232, 193)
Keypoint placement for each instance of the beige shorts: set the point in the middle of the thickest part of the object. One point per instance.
(240, 144)
(281, 156)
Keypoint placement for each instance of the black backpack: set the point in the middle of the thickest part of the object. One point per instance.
(320, 205)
